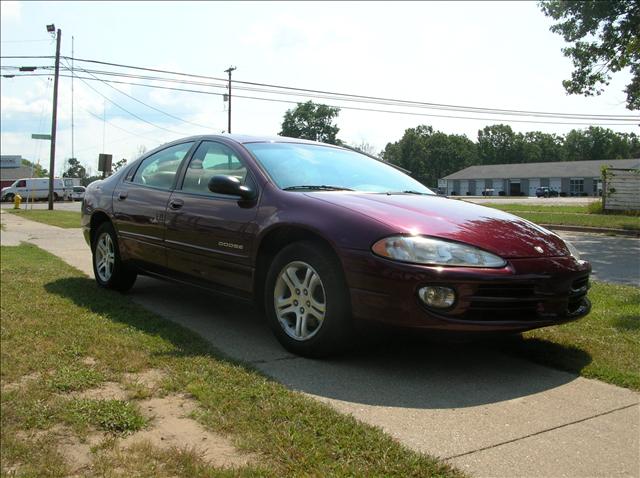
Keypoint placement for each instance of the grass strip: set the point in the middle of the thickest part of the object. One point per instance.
(604, 345)
(64, 219)
(569, 216)
(53, 319)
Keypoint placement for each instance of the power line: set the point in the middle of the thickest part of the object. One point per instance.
(24, 41)
(377, 98)
(126, 110)
(365, 99)
(142, 102)
(349, 107)
(262, 90)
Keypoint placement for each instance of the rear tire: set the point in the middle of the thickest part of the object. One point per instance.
(307, 300)
(109, 270)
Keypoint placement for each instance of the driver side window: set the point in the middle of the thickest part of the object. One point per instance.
(159, 169)
(211, 159)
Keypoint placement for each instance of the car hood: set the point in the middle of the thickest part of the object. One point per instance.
(490, 229)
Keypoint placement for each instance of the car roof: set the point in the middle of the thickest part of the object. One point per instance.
(246, 139)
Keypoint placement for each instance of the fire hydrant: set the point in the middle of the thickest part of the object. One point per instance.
(17, 200)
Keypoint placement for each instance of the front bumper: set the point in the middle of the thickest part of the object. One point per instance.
(525, 294)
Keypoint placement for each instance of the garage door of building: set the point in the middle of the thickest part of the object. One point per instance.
(464, 187)
(556, 184)
(533, 185)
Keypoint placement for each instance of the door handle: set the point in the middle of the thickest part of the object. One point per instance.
(176, 204)
(122, 195)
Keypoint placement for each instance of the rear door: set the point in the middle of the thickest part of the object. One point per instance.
(140, 203)
(209, 236)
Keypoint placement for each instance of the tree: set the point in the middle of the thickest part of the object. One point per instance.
(89, 179)
(600, 143)
(119, 164)
(431, 155)
(311, 121)
(605, 39)
(38, 171)
(498, 144)
(75, 169)
(365, 148)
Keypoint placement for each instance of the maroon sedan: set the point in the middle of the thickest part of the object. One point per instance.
(325, 238)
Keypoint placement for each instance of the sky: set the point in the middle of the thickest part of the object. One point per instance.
(483, 54)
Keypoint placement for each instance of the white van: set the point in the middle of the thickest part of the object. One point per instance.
(36, 188)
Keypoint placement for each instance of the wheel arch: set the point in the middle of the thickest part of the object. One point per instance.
(97, 219)
(273, 241)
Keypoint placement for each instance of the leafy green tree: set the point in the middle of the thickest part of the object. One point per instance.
(430, 155)
(89, 179)
(75, 169)
(38, 171)
(119, 164)
(365, 148)
(538, 147)
(311, 121)
(498, 144)
(600, 143)
(604, 38)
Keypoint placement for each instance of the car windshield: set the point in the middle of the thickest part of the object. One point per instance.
(297, 166)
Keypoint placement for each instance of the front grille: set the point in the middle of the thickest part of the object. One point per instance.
(503, 302)
(524, 301)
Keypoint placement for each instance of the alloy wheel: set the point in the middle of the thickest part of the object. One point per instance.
(299, 300)
(105, 257)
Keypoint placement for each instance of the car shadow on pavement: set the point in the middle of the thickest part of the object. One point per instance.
(394, 369)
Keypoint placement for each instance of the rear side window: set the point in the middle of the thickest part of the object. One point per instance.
(211, 159)
(159, 169)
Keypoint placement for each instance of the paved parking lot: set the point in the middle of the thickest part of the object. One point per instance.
(569, 201)
(484, 412)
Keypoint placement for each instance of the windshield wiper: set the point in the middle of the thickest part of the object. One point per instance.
(311, 187)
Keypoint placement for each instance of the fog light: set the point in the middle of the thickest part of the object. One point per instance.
(439, 297)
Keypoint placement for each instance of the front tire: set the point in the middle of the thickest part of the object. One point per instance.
(307, 300)
(109, 270)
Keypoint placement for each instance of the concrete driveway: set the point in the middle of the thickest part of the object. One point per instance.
(484, 412)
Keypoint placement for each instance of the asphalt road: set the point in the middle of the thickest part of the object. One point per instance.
(613, 258)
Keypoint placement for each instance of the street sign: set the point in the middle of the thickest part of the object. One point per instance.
(40, 136)
(104, 162)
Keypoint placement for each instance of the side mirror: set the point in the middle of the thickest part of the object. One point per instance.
(230, 185)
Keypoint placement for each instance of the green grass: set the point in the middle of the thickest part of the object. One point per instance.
(604, 345)
(64, 219)
(53, 319)
(570, 216)
(116, 416)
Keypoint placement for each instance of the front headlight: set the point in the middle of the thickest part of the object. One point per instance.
(572, 250)
(431, 251)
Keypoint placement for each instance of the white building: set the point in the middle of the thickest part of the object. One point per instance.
(570, 178)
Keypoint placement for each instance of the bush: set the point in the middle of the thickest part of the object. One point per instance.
(595, 207)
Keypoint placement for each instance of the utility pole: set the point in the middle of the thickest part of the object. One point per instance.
(231, 68)
(54, 118)
(73, 153)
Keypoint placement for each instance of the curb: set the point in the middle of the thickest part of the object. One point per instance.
(594, 230)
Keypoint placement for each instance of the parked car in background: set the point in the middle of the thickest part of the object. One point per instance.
(323, 239)
(77, 194)
(546, 192)
(35, 188)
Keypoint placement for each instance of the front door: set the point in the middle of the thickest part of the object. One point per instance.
(209, 236)
(140, 203)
